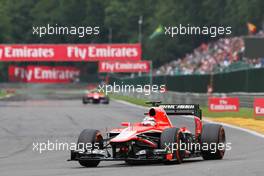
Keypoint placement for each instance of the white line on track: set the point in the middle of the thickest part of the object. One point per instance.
(227, 125)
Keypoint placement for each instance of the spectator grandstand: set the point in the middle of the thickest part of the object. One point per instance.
(223, 55)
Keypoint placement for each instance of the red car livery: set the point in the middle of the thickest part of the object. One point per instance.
(155, 139)
(95, 97)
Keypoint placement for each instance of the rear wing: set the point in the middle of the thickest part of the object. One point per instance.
(182, 109)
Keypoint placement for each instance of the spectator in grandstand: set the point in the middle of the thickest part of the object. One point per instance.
(215, 56)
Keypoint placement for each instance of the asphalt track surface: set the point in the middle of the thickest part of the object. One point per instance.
(25, 122)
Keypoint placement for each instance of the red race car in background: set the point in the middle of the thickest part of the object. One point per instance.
(95, 97)
(155, 139)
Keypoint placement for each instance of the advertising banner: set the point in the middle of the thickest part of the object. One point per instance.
(223, 104)
(43, 74)
(124, 66)
(69, 52)
(259, 106)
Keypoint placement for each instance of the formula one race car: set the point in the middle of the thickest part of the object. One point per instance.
(95, 97)
(155, 139)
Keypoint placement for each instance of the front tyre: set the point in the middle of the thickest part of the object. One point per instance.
(107, 100)
(213, 136)
(90, 137)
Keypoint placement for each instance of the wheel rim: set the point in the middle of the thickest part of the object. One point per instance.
(179, 153)
(222, 139)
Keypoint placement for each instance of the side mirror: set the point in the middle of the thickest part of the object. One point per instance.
(126, 124)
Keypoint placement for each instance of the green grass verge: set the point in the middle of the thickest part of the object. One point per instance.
(2, 93)
(137, 101)
(243, 112)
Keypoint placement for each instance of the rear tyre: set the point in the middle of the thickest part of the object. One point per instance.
(172, 137)
(213, 136)
(89, 137)
(84, 101)
(107, 100)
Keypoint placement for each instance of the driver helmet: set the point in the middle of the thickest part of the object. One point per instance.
(149, 121)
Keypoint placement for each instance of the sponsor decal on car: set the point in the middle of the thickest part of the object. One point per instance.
(171, 106)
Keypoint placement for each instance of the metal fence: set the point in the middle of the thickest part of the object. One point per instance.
(76, 91)
(246, 99)
(251, 80)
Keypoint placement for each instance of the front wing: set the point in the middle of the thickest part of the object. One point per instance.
(157, 155)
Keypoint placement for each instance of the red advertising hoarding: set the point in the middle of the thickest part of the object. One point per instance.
(223, 104)
(259, 106)
(124, 66)
(43, 74)
(69, 52)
